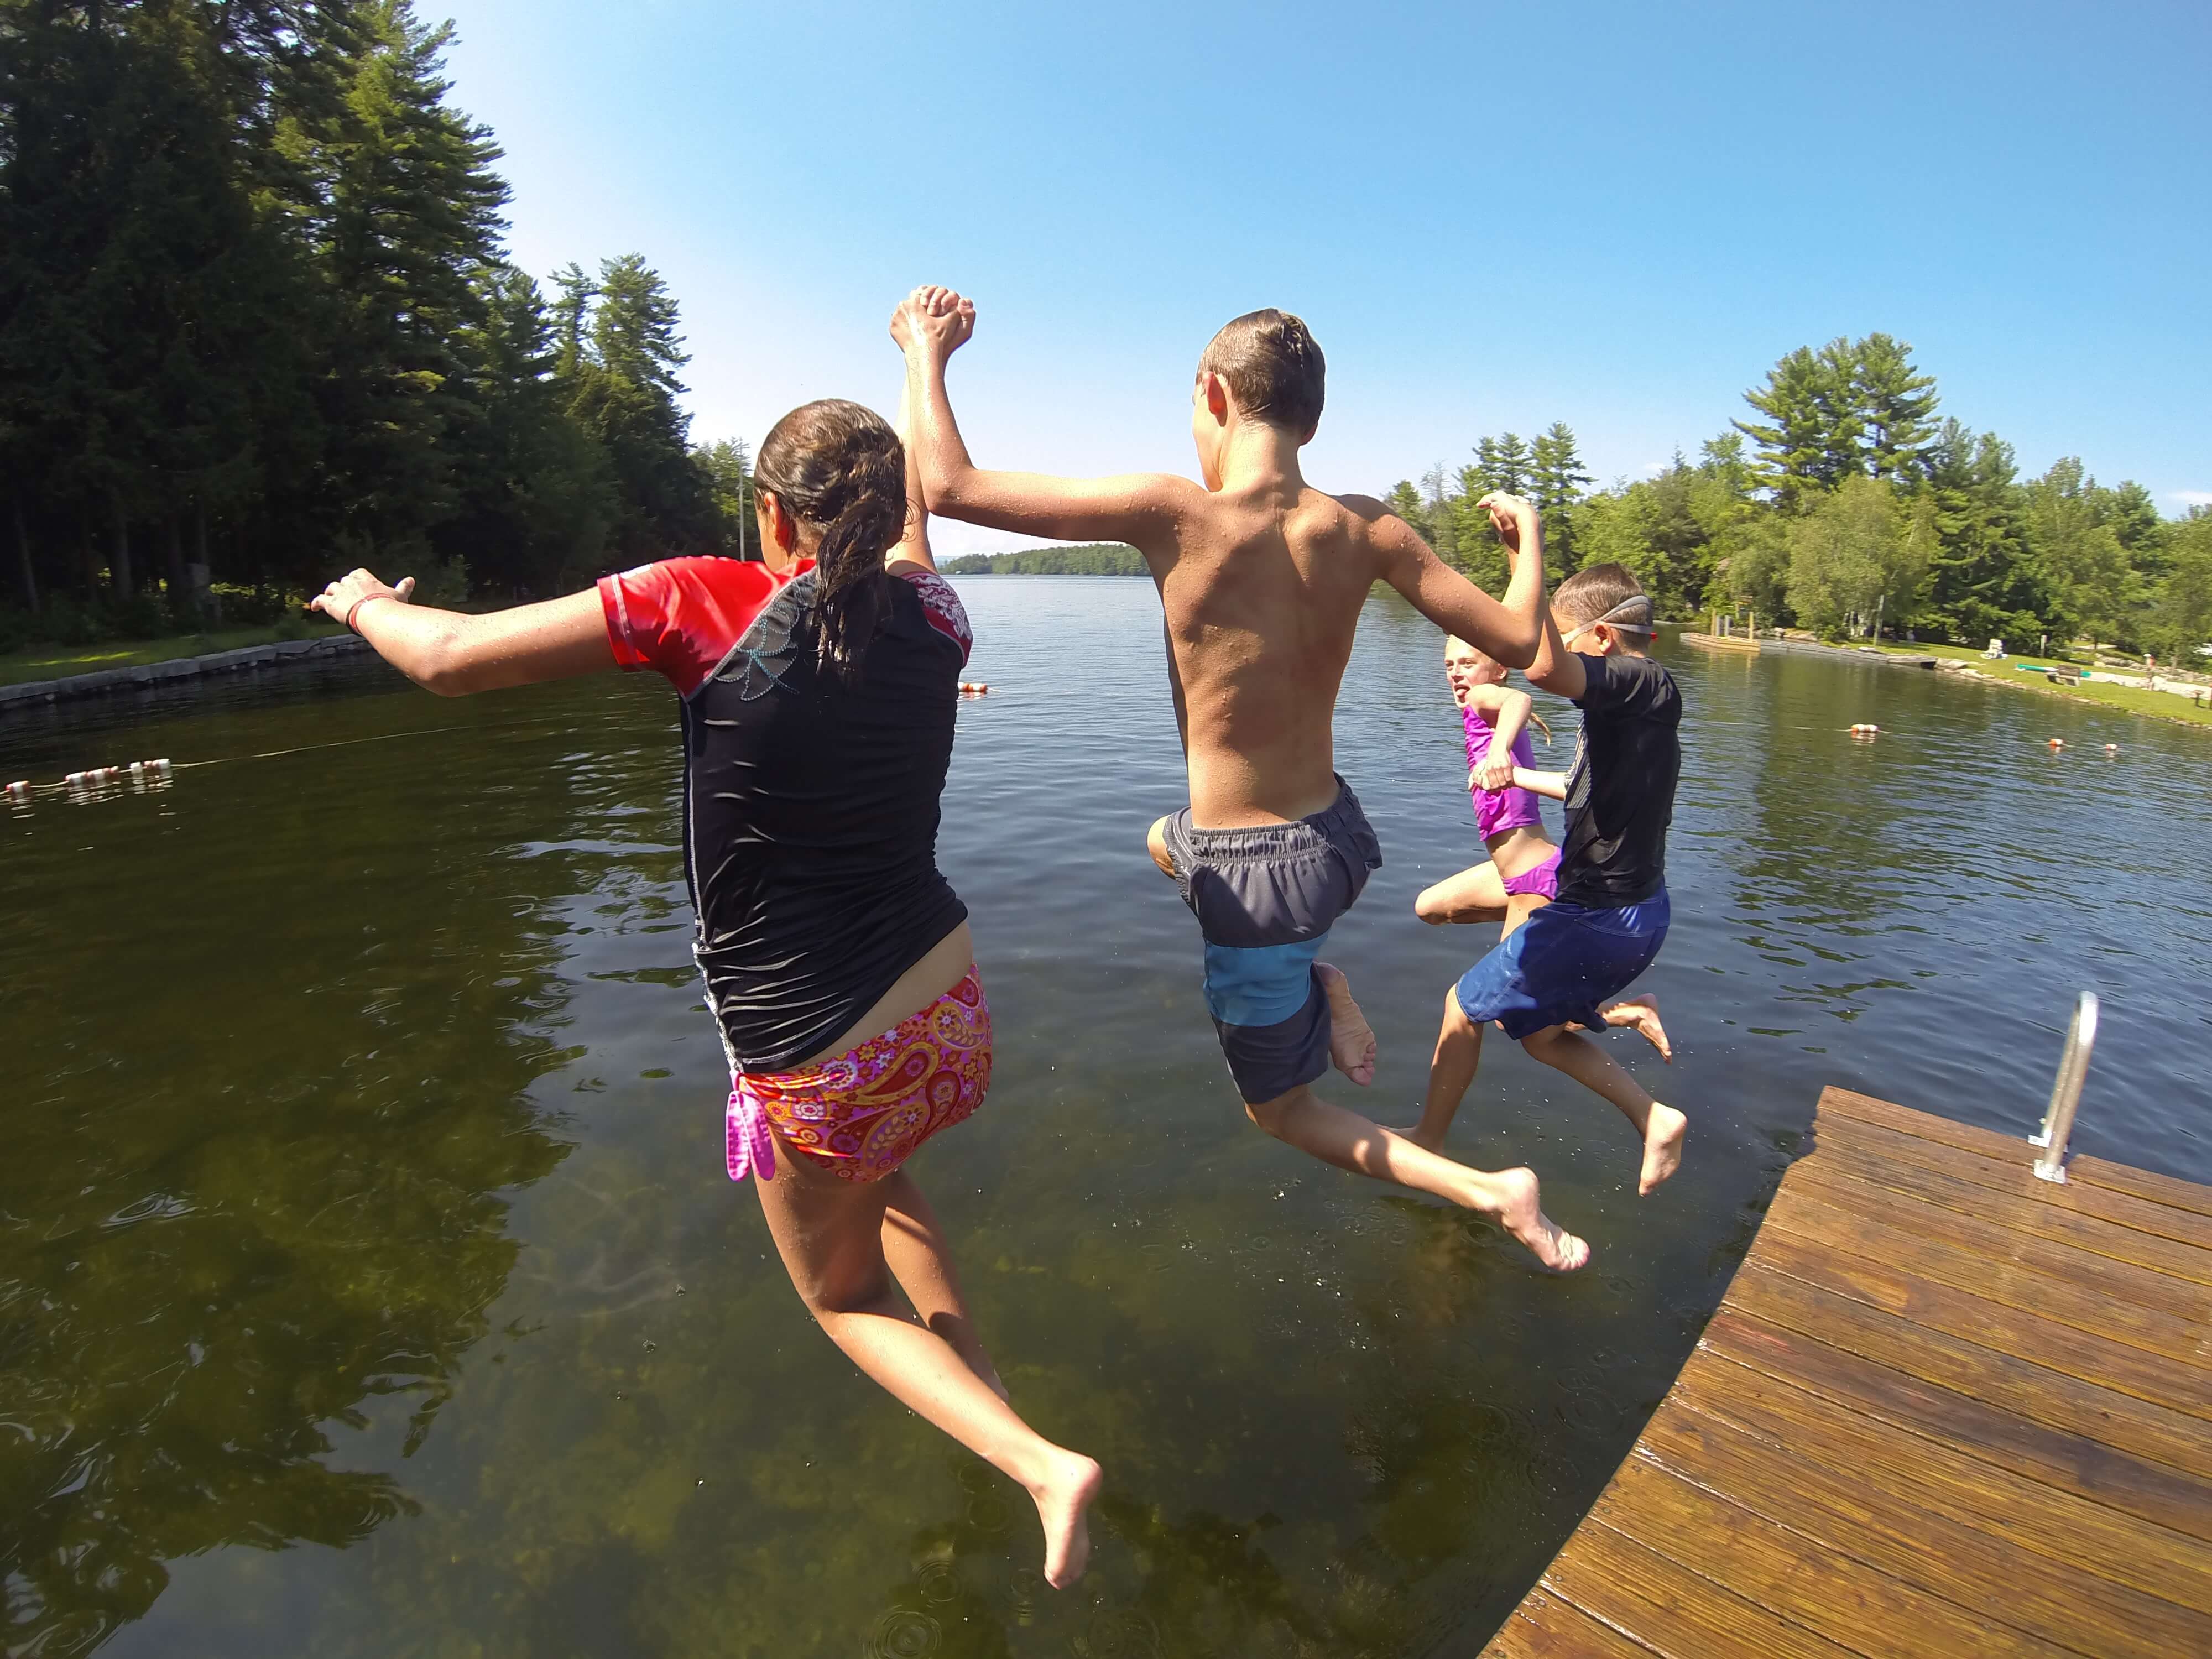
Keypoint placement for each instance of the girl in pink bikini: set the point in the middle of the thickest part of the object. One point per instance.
(1520, 876)
(818, 689)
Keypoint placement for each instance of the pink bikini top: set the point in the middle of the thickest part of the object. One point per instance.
(1497, 810)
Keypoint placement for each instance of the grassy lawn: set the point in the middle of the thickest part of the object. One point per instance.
(55, 662)
(2112, 696)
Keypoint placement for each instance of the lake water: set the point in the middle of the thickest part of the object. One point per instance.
(369, 1284)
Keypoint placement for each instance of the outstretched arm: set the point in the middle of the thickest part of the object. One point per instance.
(1552, 785)
(453, 653)
(1510, 631)
(1138, 507)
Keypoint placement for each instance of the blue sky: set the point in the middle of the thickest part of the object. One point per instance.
(1494, 217)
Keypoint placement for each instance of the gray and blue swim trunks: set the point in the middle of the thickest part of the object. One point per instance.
(1265, 899)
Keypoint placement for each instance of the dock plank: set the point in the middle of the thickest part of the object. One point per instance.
(1545, 1627)
(1779, 1570)
(1992, 1324)
(2112, 1300)
(2029, 1213)
(1841, 1513)
(2079, 1463)
(2146, 1184)
(2012, 1176)
(1633, 1588)
(2031, 1393)
(1944, 1408)
(2062, 1527)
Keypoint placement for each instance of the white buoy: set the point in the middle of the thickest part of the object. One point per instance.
(2057, 743)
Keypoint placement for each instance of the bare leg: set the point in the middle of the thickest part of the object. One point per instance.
(1661, 1127)
(831, 1235)
(1451, 1073)
(1641, 1015)
(1473, 895)
(1156, 843)
(1351, 1040)
(921, 1258)
(1519, 907)
(1331, 1133)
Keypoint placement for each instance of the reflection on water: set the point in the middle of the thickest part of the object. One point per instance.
(363, 1183)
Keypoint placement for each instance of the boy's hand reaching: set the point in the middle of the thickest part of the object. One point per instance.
(936, 319)
(1514, 519)
(1495, 772)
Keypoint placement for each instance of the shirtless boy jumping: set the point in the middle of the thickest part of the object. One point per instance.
(1262, 577)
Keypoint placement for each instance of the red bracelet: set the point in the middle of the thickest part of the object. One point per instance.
(360, 602)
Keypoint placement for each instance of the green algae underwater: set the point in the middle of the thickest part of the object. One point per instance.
(369, 1284)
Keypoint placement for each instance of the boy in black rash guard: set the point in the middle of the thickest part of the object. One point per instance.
(1547, 981)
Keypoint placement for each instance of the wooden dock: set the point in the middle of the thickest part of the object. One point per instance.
(1743, 642)
(1947, 1409)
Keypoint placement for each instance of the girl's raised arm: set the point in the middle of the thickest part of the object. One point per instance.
(453, 653)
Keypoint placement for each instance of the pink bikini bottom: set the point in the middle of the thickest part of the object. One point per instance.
(1543, 880)
(862, 1114)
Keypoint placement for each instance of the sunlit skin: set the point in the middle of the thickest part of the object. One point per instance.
(869, 1259)
(1261, 578)
(1558, 669)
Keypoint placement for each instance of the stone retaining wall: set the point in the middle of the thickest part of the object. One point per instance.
(281, 654)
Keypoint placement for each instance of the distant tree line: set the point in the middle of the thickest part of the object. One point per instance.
(1841, 503)
(1086, 559)
(256, 318)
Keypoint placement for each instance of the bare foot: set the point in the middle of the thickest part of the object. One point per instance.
(1419, 1135)
(1063, 1501)
(1641, 1015)
(1551, 1244)
(1350, 1043)
(1662, 1146)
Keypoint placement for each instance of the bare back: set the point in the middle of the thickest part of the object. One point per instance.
(1262, 589)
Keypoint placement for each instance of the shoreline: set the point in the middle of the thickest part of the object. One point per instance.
(1950, 667)
(282, 654)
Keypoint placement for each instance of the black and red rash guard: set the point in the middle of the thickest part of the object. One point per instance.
(810, 806)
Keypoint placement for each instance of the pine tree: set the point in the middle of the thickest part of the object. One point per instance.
(727, 466)
(1810, 440)
(1981, 583)
(1405, 501)
(536, 496)
(412, 217)
(624, 392)
(2180, 623)
(1896, 405)
(1556, 477)
(1503, 463)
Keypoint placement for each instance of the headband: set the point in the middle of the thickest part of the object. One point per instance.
(1639, 602)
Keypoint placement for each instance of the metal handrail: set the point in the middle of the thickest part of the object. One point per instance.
(2066, 1092)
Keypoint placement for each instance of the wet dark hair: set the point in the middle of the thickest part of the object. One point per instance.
(837, 465)
(1592, 595)
(1272, 369)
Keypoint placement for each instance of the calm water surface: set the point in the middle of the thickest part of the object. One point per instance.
(369, 1284)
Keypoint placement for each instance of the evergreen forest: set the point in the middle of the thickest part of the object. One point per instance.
(1084, 559)
(1845, 503)
(257, 325)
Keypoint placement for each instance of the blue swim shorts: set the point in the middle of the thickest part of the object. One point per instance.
(1561, 964)
(1266, 899)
